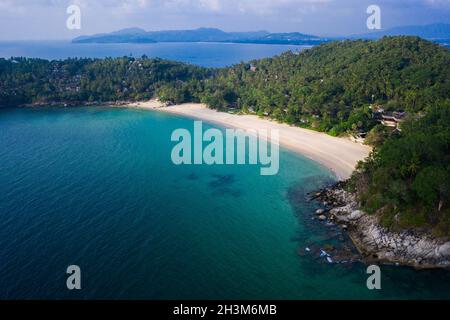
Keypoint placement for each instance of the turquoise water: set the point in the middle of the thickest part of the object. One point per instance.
(203, 54)
(96, 187)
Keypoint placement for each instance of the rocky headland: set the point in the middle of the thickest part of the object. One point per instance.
(375, 243)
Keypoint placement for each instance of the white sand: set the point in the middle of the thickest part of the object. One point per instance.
(338, 154)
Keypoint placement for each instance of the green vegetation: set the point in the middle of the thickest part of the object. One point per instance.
(36, 81)
(407, 179)
(330, 87)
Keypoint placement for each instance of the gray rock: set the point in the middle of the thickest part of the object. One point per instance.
(355, 215)
(444, 250)
(402, 248)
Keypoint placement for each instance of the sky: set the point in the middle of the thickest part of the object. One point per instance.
(46, 19)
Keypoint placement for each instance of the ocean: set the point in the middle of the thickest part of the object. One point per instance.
(95, 187)
(203, 54)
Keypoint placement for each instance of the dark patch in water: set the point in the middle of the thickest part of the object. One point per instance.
(193, 176)
(222, 180)
(322, 236)
(227, 191)
(221, 185)
(298, 194)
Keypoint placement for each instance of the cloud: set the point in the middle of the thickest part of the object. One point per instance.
(213, 5)
(128, 6)
(47, 18)
(257, 7)
(438, 2)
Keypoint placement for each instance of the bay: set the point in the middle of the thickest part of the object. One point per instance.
(96, 187)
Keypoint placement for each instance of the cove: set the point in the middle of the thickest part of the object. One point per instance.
(96, 188)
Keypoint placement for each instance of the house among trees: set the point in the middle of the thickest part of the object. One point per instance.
(392, 119)
(388, 118)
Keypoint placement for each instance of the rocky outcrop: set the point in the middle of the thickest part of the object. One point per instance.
(376, 243)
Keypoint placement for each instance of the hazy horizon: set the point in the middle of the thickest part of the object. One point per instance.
(46, 19)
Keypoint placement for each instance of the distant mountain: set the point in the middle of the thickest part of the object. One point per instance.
(129, 31)
(437, 31)
(198, 35)
(133, 35)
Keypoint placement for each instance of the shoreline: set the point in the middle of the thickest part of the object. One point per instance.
(373, 242)
(340, 155)
(376, 244)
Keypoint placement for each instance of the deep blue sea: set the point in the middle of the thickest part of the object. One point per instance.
(203, 54)
(96, 187)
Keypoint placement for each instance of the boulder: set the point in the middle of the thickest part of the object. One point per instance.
(444, 250)
(356, 214)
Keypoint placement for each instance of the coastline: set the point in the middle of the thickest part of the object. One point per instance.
(340, 155)
(376, 244)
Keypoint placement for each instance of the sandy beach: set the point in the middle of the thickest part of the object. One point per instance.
(338, 154)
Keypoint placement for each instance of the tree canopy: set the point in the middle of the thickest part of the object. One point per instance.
(31, 81)
(407, 179)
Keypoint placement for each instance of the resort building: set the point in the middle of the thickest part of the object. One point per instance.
(388, 118)
(392, 119)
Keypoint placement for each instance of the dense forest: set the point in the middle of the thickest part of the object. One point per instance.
(333, 88)
(328, 88)
(37, 81)
(406, 180)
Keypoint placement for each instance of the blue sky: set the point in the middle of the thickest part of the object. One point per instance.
(46, 19)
